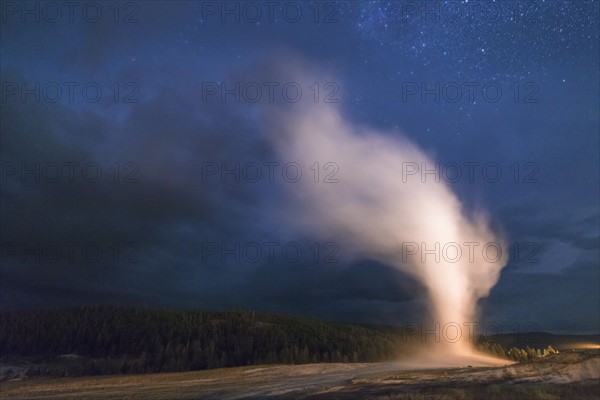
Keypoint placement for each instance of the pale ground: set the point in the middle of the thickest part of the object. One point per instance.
(579, 371)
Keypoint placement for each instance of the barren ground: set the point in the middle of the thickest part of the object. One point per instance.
(568, 375)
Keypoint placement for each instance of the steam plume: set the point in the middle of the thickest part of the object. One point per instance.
(375, 214)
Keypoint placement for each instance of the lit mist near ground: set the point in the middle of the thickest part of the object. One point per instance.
(375, 212)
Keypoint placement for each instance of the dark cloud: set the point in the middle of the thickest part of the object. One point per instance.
(163, 140)
(521, 298)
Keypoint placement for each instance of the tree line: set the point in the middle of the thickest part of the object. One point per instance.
(120, 340)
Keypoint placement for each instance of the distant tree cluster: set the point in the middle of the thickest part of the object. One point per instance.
(118, 340)
(514, 353)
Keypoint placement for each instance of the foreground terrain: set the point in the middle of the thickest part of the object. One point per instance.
(569, 375)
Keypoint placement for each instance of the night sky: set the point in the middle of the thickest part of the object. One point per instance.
(517, 91)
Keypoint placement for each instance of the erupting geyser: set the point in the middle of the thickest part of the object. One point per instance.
(376, 212)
